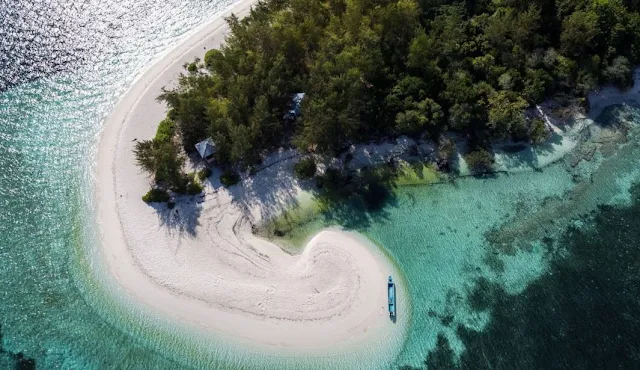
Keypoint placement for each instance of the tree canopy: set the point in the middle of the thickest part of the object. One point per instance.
(375, 68)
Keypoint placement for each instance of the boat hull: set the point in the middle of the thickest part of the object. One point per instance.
(391, 294)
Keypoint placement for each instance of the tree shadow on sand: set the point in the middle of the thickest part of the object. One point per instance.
(272, 186)
(181, 217)
(348, 199)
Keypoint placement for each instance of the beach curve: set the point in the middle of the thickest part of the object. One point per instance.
(200, 263)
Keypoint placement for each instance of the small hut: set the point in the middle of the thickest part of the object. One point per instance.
(206, 149)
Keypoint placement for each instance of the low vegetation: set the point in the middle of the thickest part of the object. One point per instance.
(166, 131)
(204, 173)
(305, 168)
(156, 195)
(194, 188)
(479, 160)
(229, 178)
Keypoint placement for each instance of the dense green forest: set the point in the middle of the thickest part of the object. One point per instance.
(378, 68)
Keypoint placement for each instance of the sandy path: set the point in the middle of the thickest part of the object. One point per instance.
(200, 264)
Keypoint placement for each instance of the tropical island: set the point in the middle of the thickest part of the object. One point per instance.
(322, 98)
(196, 264)
(374, 70)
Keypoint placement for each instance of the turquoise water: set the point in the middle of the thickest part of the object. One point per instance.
(503, 272)
(50, 121)
(443, 249)
(508, 234)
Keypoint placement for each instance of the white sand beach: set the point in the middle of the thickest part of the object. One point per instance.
(200, 264)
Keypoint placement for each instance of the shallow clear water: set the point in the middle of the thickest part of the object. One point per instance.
(475, 251)
(484, 259)
(496, 240)
(50, 119)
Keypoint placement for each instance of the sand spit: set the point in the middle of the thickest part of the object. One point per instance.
(199, 262)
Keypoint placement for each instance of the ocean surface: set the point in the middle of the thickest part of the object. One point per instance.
(534, 270)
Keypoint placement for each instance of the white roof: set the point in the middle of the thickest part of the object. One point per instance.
(206, 148)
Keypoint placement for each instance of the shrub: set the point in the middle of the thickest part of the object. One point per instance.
(305, 168)
(479, 160)
(156, 195)
(194, 188)
(179, 185)
(229, 178)
(334, 184)
(330, 177)
(204, 173)
(446, 148)
(191, 177)
(538, 133)
(166, 130)
(213, 58)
